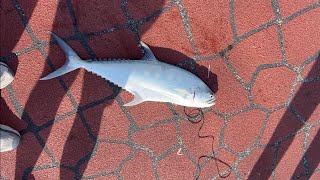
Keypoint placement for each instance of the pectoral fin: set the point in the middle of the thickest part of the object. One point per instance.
(136, 100)
(142, 95)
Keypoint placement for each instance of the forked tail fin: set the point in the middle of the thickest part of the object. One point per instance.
(73, 60)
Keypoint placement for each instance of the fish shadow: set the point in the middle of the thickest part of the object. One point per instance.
(174, 57)
(208, 77)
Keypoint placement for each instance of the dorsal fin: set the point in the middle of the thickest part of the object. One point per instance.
(148, 54)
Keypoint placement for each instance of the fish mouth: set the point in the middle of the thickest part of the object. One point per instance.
(211, 101)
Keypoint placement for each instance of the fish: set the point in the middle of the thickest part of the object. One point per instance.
(147, 79)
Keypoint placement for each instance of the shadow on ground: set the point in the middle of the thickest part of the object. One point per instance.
(82, 138)
(304, 103)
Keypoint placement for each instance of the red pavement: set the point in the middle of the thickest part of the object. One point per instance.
(263, 59)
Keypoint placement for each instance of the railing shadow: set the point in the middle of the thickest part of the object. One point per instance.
(48, 99)
(304, 102)
(44, 102)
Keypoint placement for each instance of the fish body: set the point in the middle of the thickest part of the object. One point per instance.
(147, 79)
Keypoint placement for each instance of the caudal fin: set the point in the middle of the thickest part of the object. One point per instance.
(73, 60)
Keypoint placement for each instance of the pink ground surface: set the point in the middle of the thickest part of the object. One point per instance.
(264, 64)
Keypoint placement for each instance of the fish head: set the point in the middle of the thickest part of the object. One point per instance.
(203, 97)
(199, 97)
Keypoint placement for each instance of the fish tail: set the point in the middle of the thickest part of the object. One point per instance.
(73, 60)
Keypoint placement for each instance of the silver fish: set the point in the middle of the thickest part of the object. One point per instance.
(147, 79)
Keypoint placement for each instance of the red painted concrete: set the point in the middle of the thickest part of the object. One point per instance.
(153, 35)
(158, 139)
(50, 173)
(310, 72)
(291, 124)
(245, 167)
(308, 92)
(107, 158)
(100, 17)
(235, 136)
(112, 47)
(14, 40)
(230, 92)
(62, 119)
(289, 163)
(314, 134)
(199, 146)
(139, 9)
(139, 167)
(79, 144)
(295, 5)
(272, 89)
(113, 120)
(210, 24)
(173, 164)
(299, 35)
(29, 145)
(211, 167)
(260, 48)
(251, 14)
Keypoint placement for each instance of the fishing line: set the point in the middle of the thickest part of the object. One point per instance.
(193, 114)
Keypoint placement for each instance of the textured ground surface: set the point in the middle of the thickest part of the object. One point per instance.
(265, 69)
